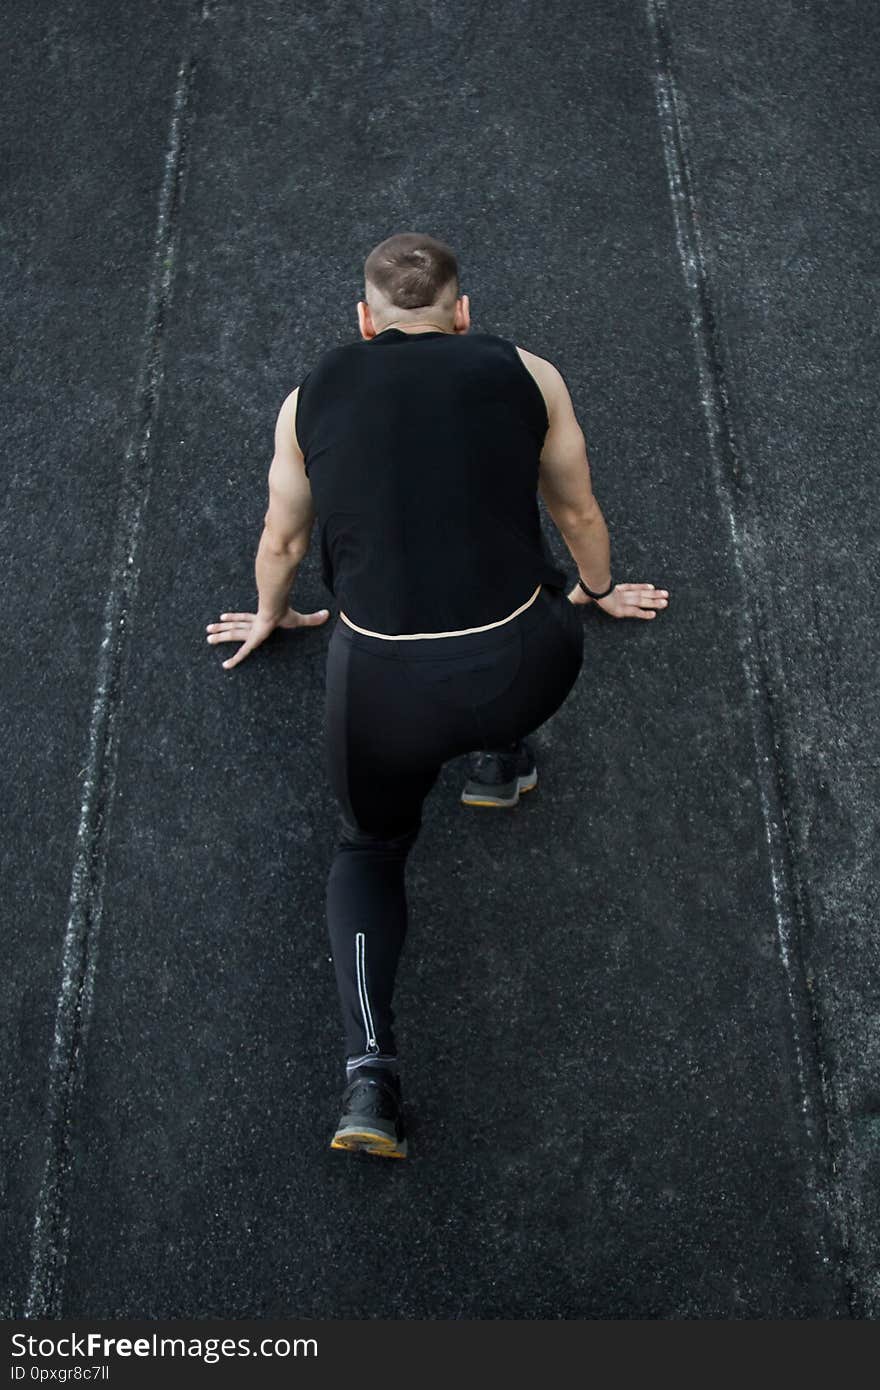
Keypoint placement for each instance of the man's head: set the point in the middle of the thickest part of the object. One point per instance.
(412, 278)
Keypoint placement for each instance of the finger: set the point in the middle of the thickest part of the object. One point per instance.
(227, 628)
(239, 655)
(313, 619)
(638, 610)
(640, 599)
(228, 635)
(647, 608)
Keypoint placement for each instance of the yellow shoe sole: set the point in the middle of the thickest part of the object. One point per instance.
(368, 1141)
(500, 805)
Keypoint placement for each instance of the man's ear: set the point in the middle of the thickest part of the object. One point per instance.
(365, 320)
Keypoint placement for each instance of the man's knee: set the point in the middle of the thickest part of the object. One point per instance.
(392, 838)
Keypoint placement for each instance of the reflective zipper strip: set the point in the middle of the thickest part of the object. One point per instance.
(360, 966)
(388, 1057)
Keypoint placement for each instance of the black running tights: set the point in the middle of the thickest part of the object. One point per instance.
(395, 712)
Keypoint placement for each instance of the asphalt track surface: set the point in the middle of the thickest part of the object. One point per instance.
(639, 1014)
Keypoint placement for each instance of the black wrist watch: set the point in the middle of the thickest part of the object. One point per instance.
(604, 593)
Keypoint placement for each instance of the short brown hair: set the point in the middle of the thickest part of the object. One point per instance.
(412, 269)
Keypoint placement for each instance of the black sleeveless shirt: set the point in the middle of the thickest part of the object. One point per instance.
(422, 453)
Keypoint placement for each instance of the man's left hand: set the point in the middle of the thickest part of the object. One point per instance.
(253, 628)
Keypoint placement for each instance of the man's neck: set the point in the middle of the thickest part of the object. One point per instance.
(406, 327)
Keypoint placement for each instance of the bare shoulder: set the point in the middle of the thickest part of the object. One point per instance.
(285, 426)
(547, 376)
(287, 415)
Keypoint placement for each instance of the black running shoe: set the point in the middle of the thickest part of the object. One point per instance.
(372, 1119)
(497, 778)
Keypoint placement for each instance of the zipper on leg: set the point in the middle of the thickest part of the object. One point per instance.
(366, 1012)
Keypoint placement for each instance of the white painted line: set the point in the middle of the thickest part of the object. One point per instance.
(79, 948)
(757, 659)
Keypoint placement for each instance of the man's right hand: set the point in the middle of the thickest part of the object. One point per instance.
(626, 600)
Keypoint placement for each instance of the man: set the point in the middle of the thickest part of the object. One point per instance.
(421, 449)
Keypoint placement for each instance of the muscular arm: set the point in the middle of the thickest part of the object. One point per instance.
(564, 479)
(288, 522)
